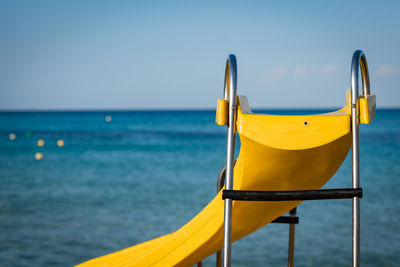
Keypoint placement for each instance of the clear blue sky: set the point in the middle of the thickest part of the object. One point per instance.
(167, 54)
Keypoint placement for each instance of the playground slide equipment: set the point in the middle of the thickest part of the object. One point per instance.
(277, 153)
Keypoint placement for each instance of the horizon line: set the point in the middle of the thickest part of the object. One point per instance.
(165, 109)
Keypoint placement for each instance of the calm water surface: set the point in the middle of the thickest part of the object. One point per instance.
(145, 174)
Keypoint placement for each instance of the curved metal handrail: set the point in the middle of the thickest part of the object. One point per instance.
(230, 90)
(230, 82)
(359, 62)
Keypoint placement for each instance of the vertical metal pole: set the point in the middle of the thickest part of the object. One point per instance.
(231, 72)
(220, 185)
(355, 159)
(291, 239)
(358, 62)
(219, 258)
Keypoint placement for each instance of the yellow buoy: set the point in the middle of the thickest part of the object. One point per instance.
(60, 142)
(12, 136)
(38, 156)
(108, 118)
(40, 142)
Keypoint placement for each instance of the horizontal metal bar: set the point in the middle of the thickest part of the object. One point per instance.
(340, 193)
(286, 219)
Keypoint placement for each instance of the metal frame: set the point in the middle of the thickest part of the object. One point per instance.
(359, 61)
(230, 90)
(339, 193)
(292, 214)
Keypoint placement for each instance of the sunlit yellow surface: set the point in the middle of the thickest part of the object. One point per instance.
(222, 113)
(367, 108)
(276, 153)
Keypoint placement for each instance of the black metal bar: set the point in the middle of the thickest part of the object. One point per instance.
(340, 193)
(286, 219)
(292, 229)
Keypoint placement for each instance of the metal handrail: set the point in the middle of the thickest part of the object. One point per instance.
(359, 61)
(230, 89)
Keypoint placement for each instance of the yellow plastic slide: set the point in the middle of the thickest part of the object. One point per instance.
(276, 153)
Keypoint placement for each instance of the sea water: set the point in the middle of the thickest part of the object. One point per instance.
(146, 173)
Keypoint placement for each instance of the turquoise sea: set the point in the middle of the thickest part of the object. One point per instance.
(146, 173)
